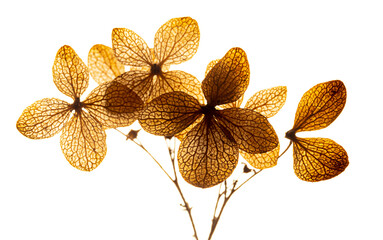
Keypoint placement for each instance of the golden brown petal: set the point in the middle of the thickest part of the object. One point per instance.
(320, 106)
(103, 65)
(114, 105)
(83, 142)
(268, 102)
(178, 81)
(176, 41)
(181, 135)
(262, 160)
(227, 81)
(317, 159)
(141, 82)
(130, 49)
(251, 131)
(170, 113)
(206, 157)
(210, 66)
(70, 74)
(44, 118)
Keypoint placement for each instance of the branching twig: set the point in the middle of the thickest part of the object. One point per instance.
(172, 154)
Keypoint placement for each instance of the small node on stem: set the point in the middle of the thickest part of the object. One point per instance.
(132, 134)
(246, 169)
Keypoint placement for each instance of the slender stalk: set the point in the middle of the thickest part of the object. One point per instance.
(186, 205)
(172, 154)
(226, 194)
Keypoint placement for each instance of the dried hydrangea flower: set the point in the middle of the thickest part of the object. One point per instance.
(175, 42)
(209, 152)
(83, 140)
(103, 64)
(317, 159)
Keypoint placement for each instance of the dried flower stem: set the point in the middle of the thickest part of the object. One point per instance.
(172, 154)
(226, 195)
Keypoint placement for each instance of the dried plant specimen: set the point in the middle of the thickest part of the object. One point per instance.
(317, 159)
(175, 42)
(267, 102)
(103, 65)
(83, 140)
(209, 152)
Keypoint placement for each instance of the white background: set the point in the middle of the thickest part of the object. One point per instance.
(293, 43)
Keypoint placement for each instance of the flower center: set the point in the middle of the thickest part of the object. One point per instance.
(155, 69)
(291, 135)
(208, 109)
(77, 105)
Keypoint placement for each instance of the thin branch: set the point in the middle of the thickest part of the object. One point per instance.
(172, 154)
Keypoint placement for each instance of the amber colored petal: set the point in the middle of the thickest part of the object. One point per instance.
(70, 74)
(103, 65)
(210, 66)
(268, 102)
(170, 113)
(320, 106)
(141, 82)
(206, 157)
(83, 142)
(262, 160)
(227, 105)
(251, 131)
(317, 159)
(114, 105)
(130, 49)
(227, 81)
(178, 81)
(181, 135)
(44, 118)
(176, 41)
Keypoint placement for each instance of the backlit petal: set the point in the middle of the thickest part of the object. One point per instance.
(70, 74)
(262, 160)
(252, 132)
(227, 81)
(317, 159)
(83, 142)
(177, 40)
(103, 65)
(114, 105)
(320, 106)
(178, 81)
(44, 118)
(268, 102)
(141, 82)
(206, 157)
(130, 49)
(170, 113)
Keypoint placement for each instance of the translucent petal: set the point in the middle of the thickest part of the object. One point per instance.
(130, 49)
(210, 66)
(177, 40)
(44, 118)
(317, 159)
(70, 74)
(262, 160)
(114, 105)
(320, 106)
(83, 142)
(103, 65)
(227, 81)
(251, 131)
(227, 105)
(206, 157)
(181, 135)
(141, 82)
(170, 113)
(268, 102)
(178, 81)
